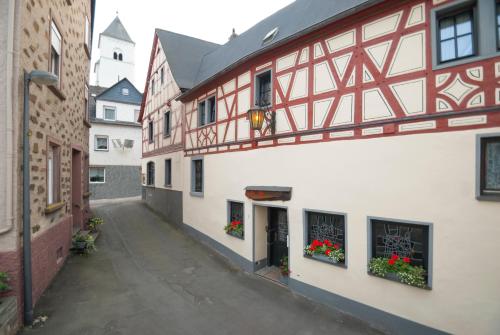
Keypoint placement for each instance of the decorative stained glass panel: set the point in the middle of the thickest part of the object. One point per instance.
(235, 211)
(492, 165)
(322, 226)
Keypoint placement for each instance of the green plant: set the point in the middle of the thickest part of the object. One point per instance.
(401, 267)
(325, 248)
(85, 240)
(94, 223)
(285, 270)
(4, 279)
(235, 228)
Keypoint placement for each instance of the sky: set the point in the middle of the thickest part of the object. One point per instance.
(209, 20)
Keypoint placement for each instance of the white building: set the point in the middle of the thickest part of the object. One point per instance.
(115, 136)
(117, 59)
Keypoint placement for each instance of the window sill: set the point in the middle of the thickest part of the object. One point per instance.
(240, 237)
(57, 92)
(87, 195)
(54, 207)
(196, 194)
(488, 197)
(393, 277)
(97, 182)
(169, 186)
(324, 260)
(105, 150)
(462, 61)
(87, 123)
(166, 136)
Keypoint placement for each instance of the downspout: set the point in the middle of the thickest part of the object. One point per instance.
(28, 301)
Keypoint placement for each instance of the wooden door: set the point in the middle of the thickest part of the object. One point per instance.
(277, 236)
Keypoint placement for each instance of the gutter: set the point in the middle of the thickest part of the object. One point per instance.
(282, 42)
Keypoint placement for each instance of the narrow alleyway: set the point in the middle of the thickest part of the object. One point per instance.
(149, 278)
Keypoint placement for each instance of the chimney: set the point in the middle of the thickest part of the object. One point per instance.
(233, 35)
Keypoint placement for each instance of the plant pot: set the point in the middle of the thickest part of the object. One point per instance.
(80, 245)
(240, 236)
(324, 258)
(392, 276)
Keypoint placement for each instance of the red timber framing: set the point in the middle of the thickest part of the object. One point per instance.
(371, 86)
(160, 145)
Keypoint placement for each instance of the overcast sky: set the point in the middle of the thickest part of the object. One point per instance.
(208, 20)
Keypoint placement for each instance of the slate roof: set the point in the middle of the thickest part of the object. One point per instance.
(298, 18)
(184, 54)
(117, 30)
(114, 93)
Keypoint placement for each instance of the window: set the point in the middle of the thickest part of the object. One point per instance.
(168, 172)
(110, 113)
(456, 36)
(115, 55)
(87, 33)
(406, 240)
(136, 114)
(150, 132)
(323, 226)
(120, 56)
(235, 226)
(150, 180)
(197, 176)
(207, 111)
(97, 175)
(101, 143)
(152, 86)
(53, 174)
(489, 167)
(263, 89)
(55, 50)
(166, 124)
(125, 91)
(162, 76)
(270, 36)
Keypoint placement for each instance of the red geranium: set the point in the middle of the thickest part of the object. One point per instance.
(235, 223)
(327, 243)
(394, 257)
(327, 252)
(336, 246)
(406, 260)
(391, 261)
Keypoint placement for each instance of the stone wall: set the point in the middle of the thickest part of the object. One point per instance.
(121, 182)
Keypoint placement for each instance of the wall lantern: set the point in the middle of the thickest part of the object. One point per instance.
(258, 115)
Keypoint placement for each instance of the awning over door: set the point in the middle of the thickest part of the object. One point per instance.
(268, 193)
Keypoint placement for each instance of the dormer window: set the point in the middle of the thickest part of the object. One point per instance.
(115, 55)
(120, 57)
(270, 36)
(124, 91)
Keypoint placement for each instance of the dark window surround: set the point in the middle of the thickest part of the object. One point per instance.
(453, 15)
(151, 137)
(208, 113)
(162, 75)
(481, 141)
(258, 88)
(232, 214)
(306, 217)
(150, 174)
(168, 172)
(486, 38)
(167, 123)
(428, 227)
(497, 17)
(197, 190)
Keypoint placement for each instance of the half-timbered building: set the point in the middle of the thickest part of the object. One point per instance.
(371, 124)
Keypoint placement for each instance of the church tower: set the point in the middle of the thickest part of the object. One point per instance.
(117, 59)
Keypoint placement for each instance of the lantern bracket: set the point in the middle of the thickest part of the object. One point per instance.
(269, 117)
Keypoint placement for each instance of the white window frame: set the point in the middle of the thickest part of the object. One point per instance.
(104, 174)
(125, 91)
(206, 120)
(96, 137)
(55, 47)
(87, 32)
(104, 113)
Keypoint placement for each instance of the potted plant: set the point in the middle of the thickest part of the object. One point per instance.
(325, 250)
(235, 228)
(4, 280)
(94, 224)
(284, 270)
(399, 269)
(83, 243)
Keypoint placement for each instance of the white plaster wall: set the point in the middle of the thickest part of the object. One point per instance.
(9, 39)
(110, 71)
(124, 112)
(178, 170)
(115, 156)
(428, 178)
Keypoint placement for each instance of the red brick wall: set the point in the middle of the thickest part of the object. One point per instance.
(45, 261)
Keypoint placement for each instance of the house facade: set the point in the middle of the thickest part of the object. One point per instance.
(115, 142)
(51, 36)
(379, 132)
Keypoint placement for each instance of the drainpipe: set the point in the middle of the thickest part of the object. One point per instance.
(28, 299)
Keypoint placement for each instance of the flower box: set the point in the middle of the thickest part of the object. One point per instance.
(235, 229)
(325, 259)
(400, 270)
(325, 251)
(241, 235)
